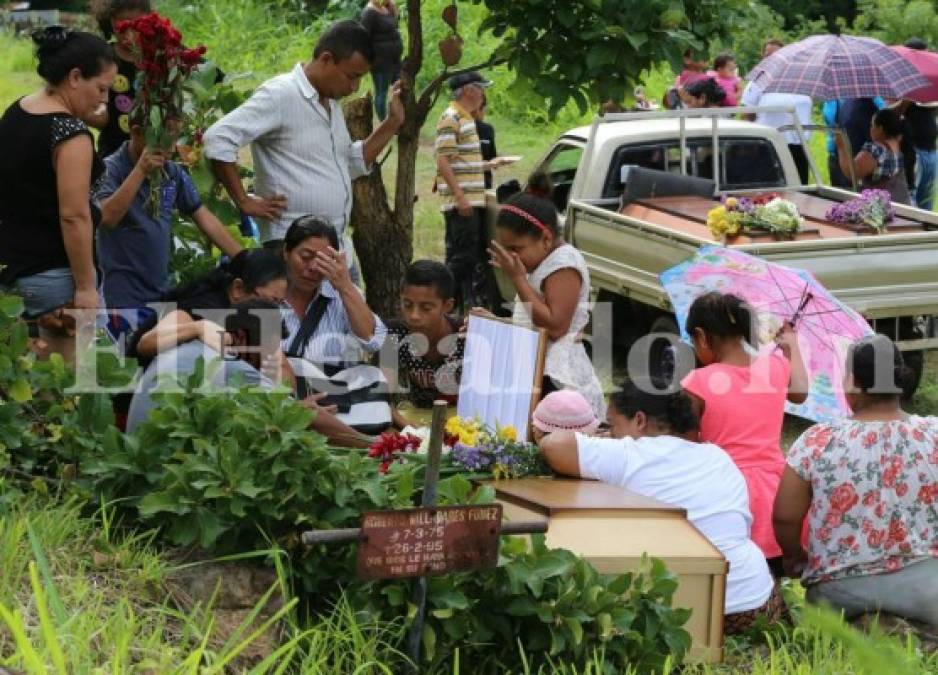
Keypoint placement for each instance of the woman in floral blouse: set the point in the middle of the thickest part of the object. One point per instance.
(871, 482)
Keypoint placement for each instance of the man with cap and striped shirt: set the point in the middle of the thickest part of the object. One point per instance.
(460, 181)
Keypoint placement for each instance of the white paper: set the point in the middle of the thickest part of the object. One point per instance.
(497, 382)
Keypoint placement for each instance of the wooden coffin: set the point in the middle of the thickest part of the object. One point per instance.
(688, 214)
(612, 527)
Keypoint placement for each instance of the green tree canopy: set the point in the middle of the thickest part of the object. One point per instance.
(595, 50)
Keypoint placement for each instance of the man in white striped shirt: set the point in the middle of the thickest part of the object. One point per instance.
(461, 182)
(304, 158)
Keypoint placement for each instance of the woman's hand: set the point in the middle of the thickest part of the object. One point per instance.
(214, 335)
(86, 298)
(333, 267)
(311, 402)
(507, 261)
(787, 338)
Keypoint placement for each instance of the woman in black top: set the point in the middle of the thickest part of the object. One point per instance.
(114, 123)
(46, 176)
(252, 273)
(380, 20)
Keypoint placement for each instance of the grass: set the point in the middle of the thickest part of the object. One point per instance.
(75, 597)
(17, 69)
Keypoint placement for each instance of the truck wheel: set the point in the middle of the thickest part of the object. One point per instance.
(662, 358)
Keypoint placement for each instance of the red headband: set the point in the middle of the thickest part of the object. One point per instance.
(528, 217)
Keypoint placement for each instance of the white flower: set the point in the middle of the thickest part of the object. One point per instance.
(423, 433)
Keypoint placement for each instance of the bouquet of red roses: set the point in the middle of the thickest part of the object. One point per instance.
(163, 66)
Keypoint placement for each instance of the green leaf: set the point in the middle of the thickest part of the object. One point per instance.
(637, 40)
(11, 306)
(159, 502)
(211, 528)
(429, 642)
(576, 629)
(20, 391)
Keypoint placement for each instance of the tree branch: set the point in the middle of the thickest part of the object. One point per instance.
(428, 95)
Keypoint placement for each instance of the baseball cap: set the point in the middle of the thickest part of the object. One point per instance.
(472, 77)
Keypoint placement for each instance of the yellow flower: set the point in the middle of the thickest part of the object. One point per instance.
(506, 433)
(501, 472)
(470, 438)
(454, 425)
(722, 222)
(731, 202)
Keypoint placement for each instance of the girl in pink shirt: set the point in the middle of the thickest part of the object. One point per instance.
(740, 397)
(724, 72)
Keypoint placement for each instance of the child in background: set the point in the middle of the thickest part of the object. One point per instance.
(552, 284)
(725, 74)
(694, 69)
(429, 348)
(115, 122)
(740, 398)
(563, 411)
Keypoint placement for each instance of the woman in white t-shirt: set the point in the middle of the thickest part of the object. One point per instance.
(648, 454)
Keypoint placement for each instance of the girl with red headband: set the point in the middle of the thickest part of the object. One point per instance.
(552, 283)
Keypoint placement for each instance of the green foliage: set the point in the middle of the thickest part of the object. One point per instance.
(229, 472)
(260, 39)
(77, 593)
(45, 429)
(895, 21)
(541, 606)
(830, 12)
(616, 39)
(758, 23)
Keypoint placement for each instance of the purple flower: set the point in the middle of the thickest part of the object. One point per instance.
(871, 207)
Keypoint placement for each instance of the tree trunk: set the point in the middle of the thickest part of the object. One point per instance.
(384, 243)
(384, 237)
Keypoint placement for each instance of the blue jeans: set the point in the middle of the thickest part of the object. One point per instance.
(925, 164)
(383, 79)
(45, 291)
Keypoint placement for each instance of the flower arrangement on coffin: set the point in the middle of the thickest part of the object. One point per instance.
(163, 66)
(468, 447)
(872, 207)
(764, 212)
(498, 452)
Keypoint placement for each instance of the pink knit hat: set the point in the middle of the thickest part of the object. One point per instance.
(565, 410)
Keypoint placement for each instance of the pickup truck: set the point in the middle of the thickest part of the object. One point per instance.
(891, 279)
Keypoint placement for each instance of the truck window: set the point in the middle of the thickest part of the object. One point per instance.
(744, 163)
(750, 163)
(649, 156)
(561, 166)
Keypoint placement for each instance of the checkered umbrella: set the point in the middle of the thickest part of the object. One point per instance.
(837, 67)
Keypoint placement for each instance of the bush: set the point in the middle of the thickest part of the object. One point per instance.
(45, 429)
(556, 607)
(234, 472)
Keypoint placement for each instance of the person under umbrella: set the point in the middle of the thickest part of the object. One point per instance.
(879, 163)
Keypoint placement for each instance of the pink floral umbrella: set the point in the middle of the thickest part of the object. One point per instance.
(825, 326)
